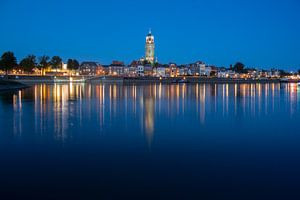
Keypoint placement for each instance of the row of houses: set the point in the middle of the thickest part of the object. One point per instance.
(250, 73)
(140, 69)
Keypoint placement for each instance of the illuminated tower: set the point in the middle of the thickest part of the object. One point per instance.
(150, 47)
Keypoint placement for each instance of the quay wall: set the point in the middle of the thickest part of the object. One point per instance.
(131, 80)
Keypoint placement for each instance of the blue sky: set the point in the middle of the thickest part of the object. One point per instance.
(261, 33)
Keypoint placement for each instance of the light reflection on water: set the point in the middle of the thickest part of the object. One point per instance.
(194, 140)
(63, 109)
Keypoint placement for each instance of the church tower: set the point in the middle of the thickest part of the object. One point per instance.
(150, 47)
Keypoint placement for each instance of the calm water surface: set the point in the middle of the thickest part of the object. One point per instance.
(201, 141)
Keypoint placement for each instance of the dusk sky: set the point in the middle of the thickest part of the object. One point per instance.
(259, 33)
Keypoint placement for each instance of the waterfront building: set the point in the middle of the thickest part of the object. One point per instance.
(226, 73)
(263, 74)
(100, 70)
(105, 69)
(64, 66)
(274, 73)
(202, 68)
(126, 70)
(253, 73)
(132, 69)
(148, 70)
(213, 71)
(222, 74)
(173, 70)
(183, 70)
(90, 69)
(159, 71)
(231, 74)
(196, 69)
(140, 70)
(117, 68)
(150, 48)
(208, 70)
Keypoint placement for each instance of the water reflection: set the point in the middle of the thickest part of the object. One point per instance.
(64, 110)
(17, 108)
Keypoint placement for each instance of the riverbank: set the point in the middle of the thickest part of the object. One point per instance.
(178, 80)
(33, 79)
(6, 85)
(199, 80)
(133, 80)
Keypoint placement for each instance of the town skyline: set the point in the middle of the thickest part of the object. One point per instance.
(159, 99)
(150, 57)
(260, 34)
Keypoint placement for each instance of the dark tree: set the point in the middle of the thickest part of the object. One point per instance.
(44, 62)
(28, 63)
(8, 61)
(72, 64)
(239, 67)
(299, 71)
(56, 62)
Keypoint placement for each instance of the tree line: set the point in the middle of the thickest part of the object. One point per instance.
(8, 62)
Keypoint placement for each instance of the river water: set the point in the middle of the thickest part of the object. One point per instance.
(151, 141)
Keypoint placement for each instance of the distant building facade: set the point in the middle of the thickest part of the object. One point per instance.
(90, 68)
(173, 70)
(132, 69)
(148, 70)
(140, 70)
(159, 71)
(117, 68)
